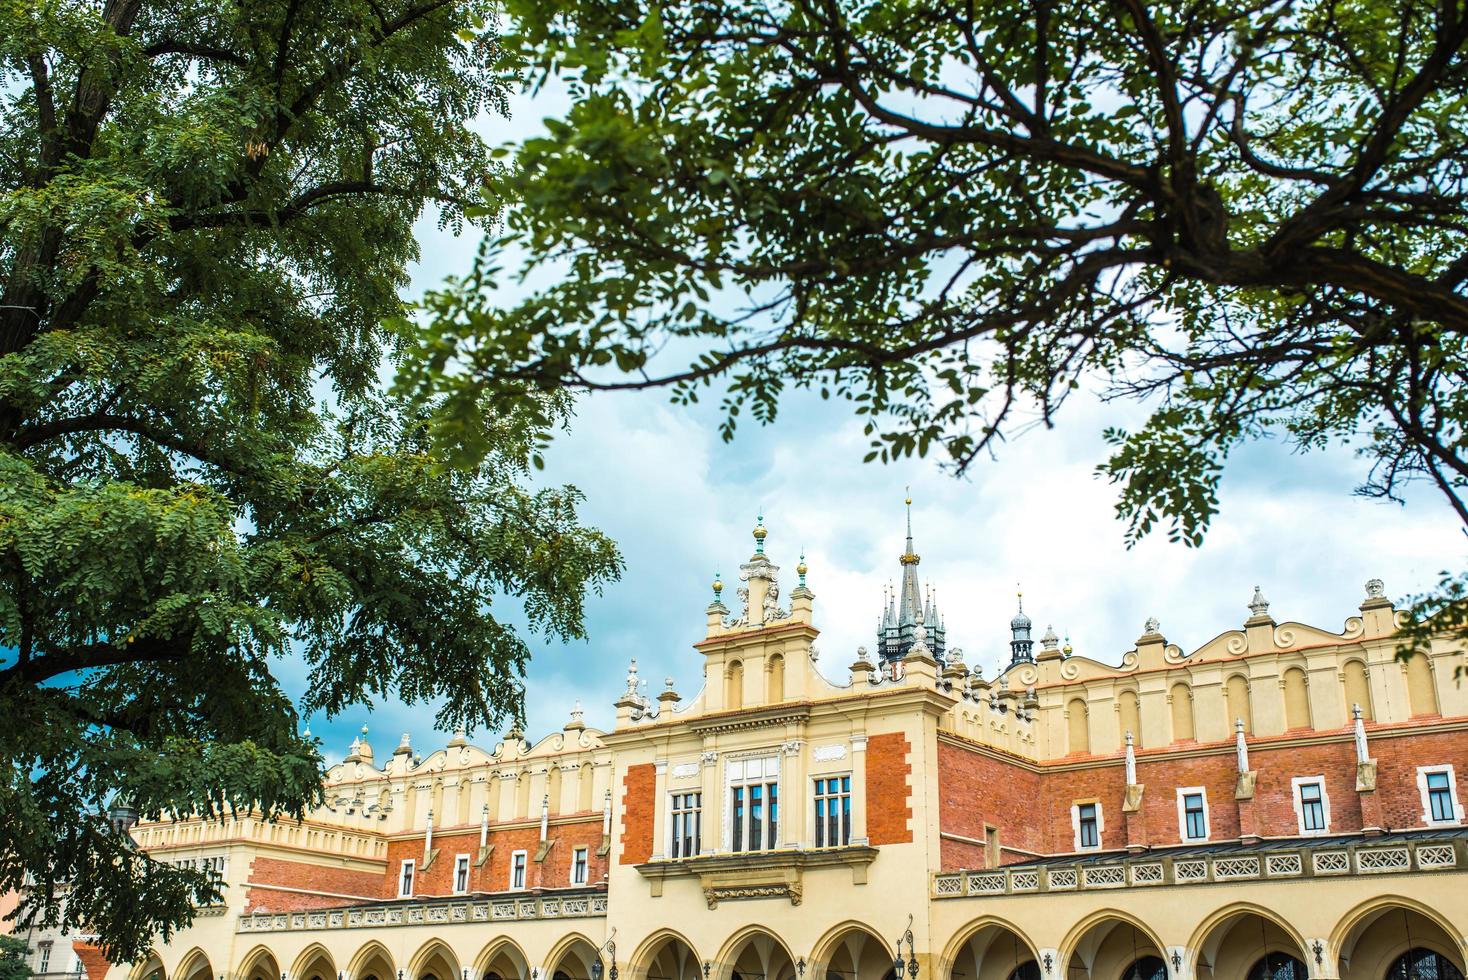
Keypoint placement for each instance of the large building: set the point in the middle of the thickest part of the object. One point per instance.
(1281, 802)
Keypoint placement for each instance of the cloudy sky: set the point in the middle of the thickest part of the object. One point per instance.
(681, 505)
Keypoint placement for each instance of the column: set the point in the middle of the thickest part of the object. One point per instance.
(659, 809)
(711, 820)
(859, 790)
(794, 790)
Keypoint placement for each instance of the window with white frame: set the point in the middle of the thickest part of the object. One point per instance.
(1192, 813)
(686, 824)
(405, 879)
(43, 964)
(754, 803)
(579, 866)
(518, 862)
(461, 874)
(1085, 820)
(833, 811)
(1312, 805)
(1439, 788)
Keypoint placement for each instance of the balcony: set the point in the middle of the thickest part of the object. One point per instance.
(1216, 864)
(433, 911)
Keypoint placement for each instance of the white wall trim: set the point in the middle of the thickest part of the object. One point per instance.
(1422, 773)
(1182, 814)
(1295, 785)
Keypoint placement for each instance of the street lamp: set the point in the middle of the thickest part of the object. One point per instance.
(911, 966)
(609, 948)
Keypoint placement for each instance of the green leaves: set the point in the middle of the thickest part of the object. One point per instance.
(205, 220)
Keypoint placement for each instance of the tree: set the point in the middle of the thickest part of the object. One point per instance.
(1249, 216)
(13, 964)
(206, 220)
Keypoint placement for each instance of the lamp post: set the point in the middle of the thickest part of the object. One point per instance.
(610, 949)
(911, 966)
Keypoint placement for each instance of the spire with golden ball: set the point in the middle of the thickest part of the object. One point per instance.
(759, 534)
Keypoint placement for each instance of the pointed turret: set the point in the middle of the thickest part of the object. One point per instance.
(1020, 645)
(908, 606)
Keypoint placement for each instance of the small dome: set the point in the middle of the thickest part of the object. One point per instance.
(1020, 621)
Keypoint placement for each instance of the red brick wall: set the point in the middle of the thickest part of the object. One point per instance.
(92, 959)
(638, 790)
(889, 797)
(494, 874)
(312, 879)
(1032, 809)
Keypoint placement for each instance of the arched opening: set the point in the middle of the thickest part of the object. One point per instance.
(553, 789)
(371, 962)
(260, 964)
(1296, 699)
(314, 963)
(1078, 727)
(775, 683)
(572, 959)
(194, 966)
(667, 957)
(1236, 698)
(149, 968)
(434, 961)
(1391, 942)
(1182, 713)
(1357, 687)
(757, 955)
(585, 778)
(734, 685)
(502, 960)
(1146, 968)
(1109, 947)
(995, 952)
(1246, 943)
(1421, 694)
(853, 953)
(1129, 718)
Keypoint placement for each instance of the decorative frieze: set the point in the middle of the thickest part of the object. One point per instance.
(429, 911)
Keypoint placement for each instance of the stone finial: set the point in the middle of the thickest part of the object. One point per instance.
(1151, 627)
(1049, 640)
(461, 737)
(1067, 649)
(1375, 589)
(1241, 746)
(632, 677)
(1259, 606)
(577, 722)
(862, 656)
(1131, 760)
(955, 656)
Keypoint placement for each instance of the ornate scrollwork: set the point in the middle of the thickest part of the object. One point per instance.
(1354, 628)
(1070, 670)
(1026, 675)
(1173, 654)
(1238, 644)
(1284, 637)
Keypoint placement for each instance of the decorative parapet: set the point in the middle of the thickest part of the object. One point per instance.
(447, 911)
(1263, 864)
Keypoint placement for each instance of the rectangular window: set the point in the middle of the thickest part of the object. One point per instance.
(517, 869)
(1089, 823)
(1439, 795)
(833, 811)
(754, 804)
(461, 874)
(687, 824)
(1312, 808)
(992, 852)
(578, 866)
(45, 964)
(1192, 805)
(405, 880)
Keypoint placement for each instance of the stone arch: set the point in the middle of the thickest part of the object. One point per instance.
(754, 951)
(433, 961)
(148, 968)
(665, 955)
(1078, 727)
(775, 679)
(734, 684)
(1181, 697)
(371, 962)
(194, 965)
(1357, 687)
(1236, 700)
(502, 958)
(259, 964)
(1256, 930)
(1371, 936)
(1421, 693)
(986, 949)
(850, 951)
(314, 963)
(1105, 943)
(1296, 688)
(570, 958)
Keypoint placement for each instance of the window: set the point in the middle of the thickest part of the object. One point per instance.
(1312, 806)
(687, 824)
(1439, 795)
(45, 961)
(461, 874)
(405, 880)
(517, 869)
(754, 804)
(992, 852)
(1192, 813)
(1086, 818)
(833, 811)
(578, 866)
